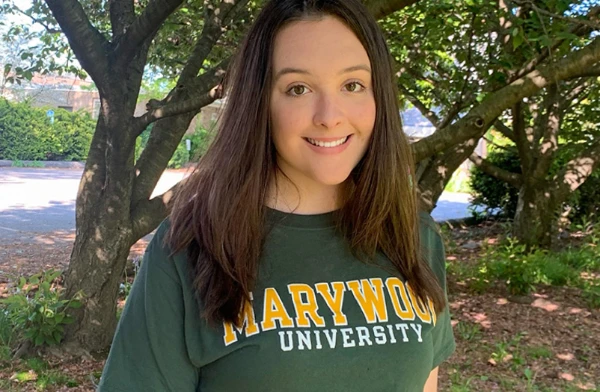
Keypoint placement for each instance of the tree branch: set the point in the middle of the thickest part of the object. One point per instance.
(549, 141)
(583, 22)
(503, 129)
(122, 15)
(87, 42)
(214, 20)
(173, 109)
(144, 26)
(456, 108)
(35, 20)
(147, 215)
(428, 114)
(493, 143)
(523, 139)
(580, 90)
(166, 134)
(511, 178)
(478, 119)
(588, 73)
(579, 30)
(437, 171)
(382, 8)
(576, 172)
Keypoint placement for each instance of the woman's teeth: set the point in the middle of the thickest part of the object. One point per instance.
(327, 144)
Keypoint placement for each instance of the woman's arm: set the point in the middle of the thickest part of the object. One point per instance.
(432, 381)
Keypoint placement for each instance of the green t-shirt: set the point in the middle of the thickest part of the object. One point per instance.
(320, 320)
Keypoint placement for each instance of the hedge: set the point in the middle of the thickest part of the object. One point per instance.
(26, 133)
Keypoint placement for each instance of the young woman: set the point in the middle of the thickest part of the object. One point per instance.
(295, 258)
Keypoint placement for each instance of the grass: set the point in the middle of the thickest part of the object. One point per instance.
(539, 352)
(36, 371)
(19, 163)
(468, 331)
(522, 271)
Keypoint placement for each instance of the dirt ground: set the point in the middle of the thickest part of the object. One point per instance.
(548, 341)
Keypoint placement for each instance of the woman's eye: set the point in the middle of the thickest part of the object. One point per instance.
(354, 87)
(297, 90)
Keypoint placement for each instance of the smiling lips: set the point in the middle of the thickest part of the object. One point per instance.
(327, 142)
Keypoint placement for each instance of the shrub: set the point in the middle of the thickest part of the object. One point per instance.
(27, 134)
(492, 193)
(584, 201)
(200, 140)
(36, 310)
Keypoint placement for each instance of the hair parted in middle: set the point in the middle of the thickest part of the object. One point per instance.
(219, 215)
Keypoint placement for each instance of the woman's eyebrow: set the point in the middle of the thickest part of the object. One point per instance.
(289, 70)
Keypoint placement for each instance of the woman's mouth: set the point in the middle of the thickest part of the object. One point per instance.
(327, 144)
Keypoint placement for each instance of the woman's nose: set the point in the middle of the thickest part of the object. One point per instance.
(328, 113)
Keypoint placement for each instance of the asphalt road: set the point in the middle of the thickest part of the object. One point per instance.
(43, 200)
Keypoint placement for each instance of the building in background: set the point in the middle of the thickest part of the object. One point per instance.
(74, 94)
(66, 92)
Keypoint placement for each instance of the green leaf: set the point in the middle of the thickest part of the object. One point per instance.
(39, 340)
(517, 41)
(566, 35)
(57, 336)
(75, 304)
(45, 286)
(52, 275)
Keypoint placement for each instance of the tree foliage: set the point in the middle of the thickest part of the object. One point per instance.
(27, 133)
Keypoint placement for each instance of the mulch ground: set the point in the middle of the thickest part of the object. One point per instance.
(548, 341)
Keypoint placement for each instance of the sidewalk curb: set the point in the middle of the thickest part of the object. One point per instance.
(42, 164)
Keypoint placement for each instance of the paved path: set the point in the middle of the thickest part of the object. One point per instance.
(43, 200)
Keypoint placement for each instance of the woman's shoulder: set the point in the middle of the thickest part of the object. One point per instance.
(431, 239)
(427, 225)
(160, 256)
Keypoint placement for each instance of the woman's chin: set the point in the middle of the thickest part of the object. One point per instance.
(333, 180)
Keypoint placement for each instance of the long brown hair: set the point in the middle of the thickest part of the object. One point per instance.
(219, 216)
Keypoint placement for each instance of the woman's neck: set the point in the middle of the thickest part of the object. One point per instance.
(304, 199)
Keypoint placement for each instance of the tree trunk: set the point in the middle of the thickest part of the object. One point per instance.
(535, 216)
(97, 261)
(104, 228)
(433, 174)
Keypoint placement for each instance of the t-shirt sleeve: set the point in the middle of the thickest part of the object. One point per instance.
(443, 337)
(148, 352)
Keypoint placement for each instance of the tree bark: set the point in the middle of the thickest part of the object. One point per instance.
(535, 216)
(436, 172)
(104, 235)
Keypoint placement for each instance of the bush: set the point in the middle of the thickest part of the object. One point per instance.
(36, 310)
(492, 193)
(27, 134)
(584, 201)
(199, 140)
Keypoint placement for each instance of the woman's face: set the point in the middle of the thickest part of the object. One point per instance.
(322, 105)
